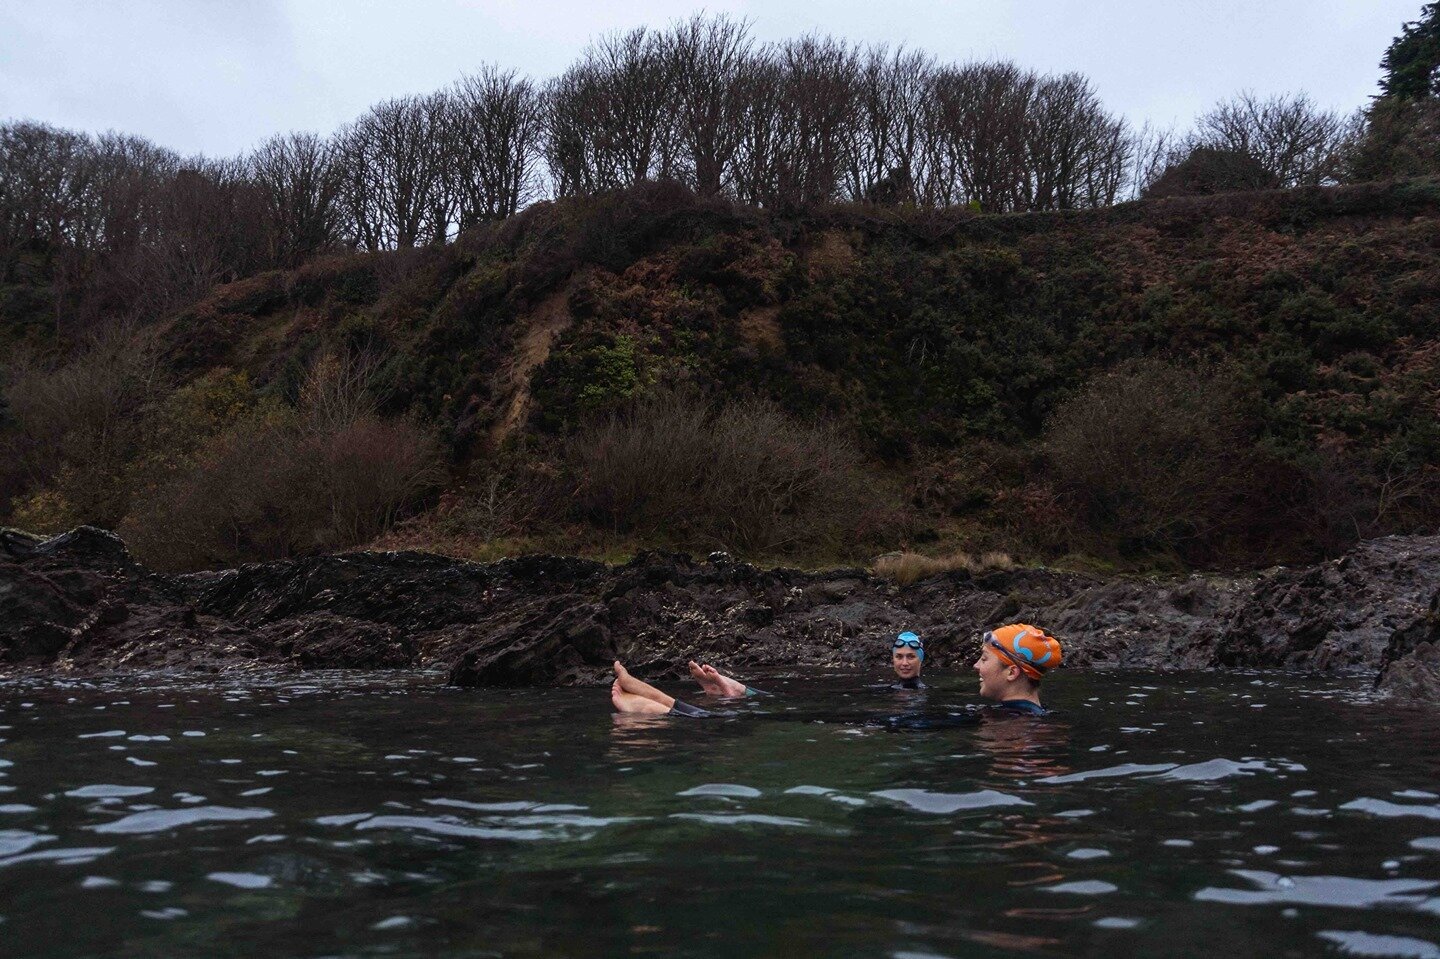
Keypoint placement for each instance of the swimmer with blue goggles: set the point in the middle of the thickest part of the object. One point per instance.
(907, 657)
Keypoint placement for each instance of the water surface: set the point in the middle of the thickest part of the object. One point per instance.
(373, 815)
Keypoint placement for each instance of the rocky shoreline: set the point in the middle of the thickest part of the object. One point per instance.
(79, 603)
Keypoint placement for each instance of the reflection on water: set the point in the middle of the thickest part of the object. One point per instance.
(374, 816)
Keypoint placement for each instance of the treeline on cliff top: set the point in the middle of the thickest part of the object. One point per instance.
(1247, 377)
(128, 226)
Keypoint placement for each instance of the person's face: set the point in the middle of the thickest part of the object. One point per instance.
(906, 662)
(996, 676)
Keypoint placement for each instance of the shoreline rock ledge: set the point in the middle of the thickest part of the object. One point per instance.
(79, 603)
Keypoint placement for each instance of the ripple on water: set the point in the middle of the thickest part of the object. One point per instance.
(924, 800)
(393, 922)
(160, 820)
(1388, 947)
(516, 806)
(1083, 887)
(743, 819)
(73, 855)
(14, 841)
(727, 790)
(449, 826)
(1215, 769)
(241, 880)
(1339, 891)
(107, 791)
(1382, 807)
(1124, 769)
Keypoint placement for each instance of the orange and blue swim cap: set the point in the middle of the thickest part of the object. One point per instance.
(1026, 647)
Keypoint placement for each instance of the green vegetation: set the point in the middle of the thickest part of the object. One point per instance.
(1240, 378)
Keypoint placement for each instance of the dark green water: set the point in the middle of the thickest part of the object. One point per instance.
(1152, 815)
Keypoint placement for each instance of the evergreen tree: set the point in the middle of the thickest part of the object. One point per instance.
(1402, 126)
(1412, 63)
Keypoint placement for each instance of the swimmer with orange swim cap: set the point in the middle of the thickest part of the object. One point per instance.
(1013, 660)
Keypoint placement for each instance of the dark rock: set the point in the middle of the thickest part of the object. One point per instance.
(1339, 616)
(79, 602)
(564, 641)
(1414, 677)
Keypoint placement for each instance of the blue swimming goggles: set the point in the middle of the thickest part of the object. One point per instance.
(910, 639)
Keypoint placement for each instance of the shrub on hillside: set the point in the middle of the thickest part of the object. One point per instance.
(70, 429)
(284, 482)
(741, 475)
(1153, 457)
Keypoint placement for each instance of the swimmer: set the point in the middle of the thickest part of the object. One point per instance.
(1013, 659)
(907, 658)
(637, 697)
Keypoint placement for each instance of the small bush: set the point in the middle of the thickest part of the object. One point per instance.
(285, 482)
(72, 427)
(742, 476)
(1153, 457)
(906, 568)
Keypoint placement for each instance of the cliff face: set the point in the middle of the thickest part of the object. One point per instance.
(79, 602)
(943, 342)
(924, 330)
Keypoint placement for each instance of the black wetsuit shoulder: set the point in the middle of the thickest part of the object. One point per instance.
(1022, 706)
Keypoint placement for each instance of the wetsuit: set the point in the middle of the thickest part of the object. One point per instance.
(682, 708)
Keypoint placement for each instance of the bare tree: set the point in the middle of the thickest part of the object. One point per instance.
(391, 174)
(820, 79)
(1151, 150)
(709, 59)
(761, 86)
(978, 125)
(1299, 143)
(209, 229)
(638, 79)
(610, 117)
(493, 125)
(573, 109)
(299, 181)
(888, 129)
(1077, 154)
(45, 182)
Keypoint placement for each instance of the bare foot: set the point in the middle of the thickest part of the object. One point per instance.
(635, 705)
(638, 687)
(718, 684)
(710, 686)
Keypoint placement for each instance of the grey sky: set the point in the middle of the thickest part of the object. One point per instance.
(217, 76)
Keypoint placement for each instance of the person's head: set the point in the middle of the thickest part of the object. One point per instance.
(1013, 659)
(907, 655)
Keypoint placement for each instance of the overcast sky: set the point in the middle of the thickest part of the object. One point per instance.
(217, 76)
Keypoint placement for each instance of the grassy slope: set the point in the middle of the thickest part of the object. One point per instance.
(931, 334)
